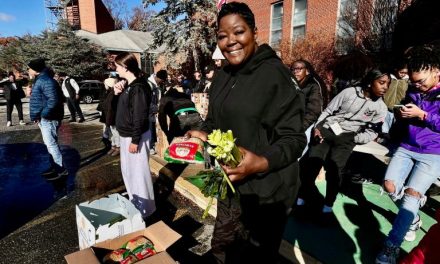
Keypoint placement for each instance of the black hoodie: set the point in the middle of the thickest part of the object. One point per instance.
(133, 110)
(264, 108)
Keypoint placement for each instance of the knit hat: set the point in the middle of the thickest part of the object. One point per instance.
(162, 74)
(37, 65)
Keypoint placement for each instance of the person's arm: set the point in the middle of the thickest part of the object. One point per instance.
(162, 115)
(282, 120)
(333, 106)
(313, 105)
(48, 89)
(140, 104)
(75, 86)
(430, 119)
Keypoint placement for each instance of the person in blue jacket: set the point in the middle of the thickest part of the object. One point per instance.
(46, 109)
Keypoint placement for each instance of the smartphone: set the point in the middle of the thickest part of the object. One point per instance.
(398, 106)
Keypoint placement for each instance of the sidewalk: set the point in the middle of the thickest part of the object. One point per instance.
(49, 231)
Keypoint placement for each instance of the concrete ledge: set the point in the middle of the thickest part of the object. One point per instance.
(373, 148)
(185, 188)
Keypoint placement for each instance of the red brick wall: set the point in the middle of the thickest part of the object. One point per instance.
(94, 16)
(321, 17)
(105, 22)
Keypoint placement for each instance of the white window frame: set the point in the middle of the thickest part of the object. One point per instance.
(292, 20)
(271, 18)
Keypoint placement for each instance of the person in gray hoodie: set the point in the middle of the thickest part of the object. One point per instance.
(351, 118)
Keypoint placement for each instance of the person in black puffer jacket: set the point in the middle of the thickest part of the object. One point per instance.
(132, 123)
(315, 92)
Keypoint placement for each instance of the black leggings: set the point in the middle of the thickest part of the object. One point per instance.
(10, 106)
(333, 154)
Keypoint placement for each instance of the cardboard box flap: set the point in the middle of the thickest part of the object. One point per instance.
(98, 217)
(85, 256)
(159, 233)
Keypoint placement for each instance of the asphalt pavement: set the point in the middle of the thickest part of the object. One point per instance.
(38, 216)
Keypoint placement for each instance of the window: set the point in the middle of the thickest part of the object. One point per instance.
(299, 19)
(276, 25)
(346, 25)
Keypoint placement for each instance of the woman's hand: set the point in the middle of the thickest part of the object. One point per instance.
(197, 134)
(133, 148)
(119, 87)
(317, 136)
(412, 110)
(250, 164)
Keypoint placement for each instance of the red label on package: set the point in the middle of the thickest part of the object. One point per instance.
(183, 150)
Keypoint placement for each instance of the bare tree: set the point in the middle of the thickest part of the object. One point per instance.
(366, 25)
(119, 12)
(140, 19)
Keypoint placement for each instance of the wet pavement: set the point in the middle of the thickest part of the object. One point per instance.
(37, 217)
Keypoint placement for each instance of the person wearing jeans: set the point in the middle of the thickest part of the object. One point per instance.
(416, 162)
(47, 110)
(49, 132)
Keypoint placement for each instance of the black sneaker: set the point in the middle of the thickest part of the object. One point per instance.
(72, 120)
(81, 120)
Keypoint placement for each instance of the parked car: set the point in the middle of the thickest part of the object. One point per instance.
(90, 90)
(2, 92)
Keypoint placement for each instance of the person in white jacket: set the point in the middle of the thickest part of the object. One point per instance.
(71, 91)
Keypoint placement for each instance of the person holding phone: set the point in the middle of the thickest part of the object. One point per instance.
(416, 162)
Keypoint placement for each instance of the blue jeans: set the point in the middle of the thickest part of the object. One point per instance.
(49, 129)
(421, 170)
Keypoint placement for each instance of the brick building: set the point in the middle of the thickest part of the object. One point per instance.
(283, 20)
(89, 15)
(290, 19)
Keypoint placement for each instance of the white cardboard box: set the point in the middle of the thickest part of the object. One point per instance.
(159, 233)
(101, 219)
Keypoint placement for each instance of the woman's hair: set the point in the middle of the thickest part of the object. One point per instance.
(240, 9)
(423, 57)
(372, 75)
(129, 61)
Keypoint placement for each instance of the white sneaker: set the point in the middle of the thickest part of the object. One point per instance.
(152, 152)
(9, 123)
(22, 123)
(411, 234)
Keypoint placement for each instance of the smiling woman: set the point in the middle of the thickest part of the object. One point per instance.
(256, 98)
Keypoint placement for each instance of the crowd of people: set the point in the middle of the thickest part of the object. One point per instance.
(288, 127)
